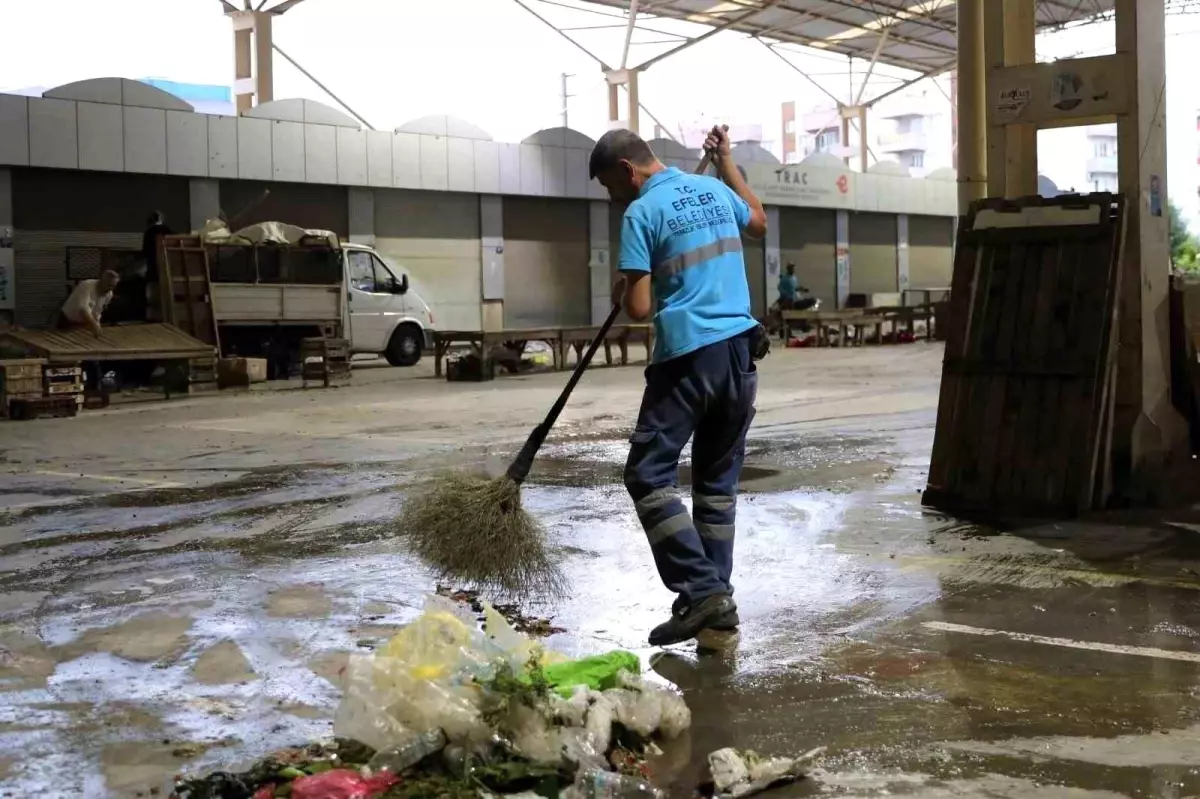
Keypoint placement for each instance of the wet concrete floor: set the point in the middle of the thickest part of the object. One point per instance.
(181, 584)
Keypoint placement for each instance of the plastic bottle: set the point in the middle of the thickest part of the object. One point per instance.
(599, 784)
(408, 754)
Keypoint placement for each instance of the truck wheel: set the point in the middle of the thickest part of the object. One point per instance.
(405, 347)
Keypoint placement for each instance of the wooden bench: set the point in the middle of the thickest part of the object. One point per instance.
(578, 338)
(849, 323)
(559, 338)
(483, 341)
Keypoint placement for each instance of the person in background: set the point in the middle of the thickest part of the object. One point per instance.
(681, 234)
(789, 288)
(156, 228)
(87, 302)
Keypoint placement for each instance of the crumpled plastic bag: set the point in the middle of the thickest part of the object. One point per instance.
(735, 774)
(645, 709)
(598, 672)
(342, 784)
(422, 679)
(429, 677)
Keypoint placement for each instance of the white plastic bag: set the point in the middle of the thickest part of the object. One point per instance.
(422, 679)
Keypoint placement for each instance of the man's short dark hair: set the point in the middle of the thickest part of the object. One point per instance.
(617, 146)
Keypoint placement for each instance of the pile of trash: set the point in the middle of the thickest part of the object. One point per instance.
(446, 709)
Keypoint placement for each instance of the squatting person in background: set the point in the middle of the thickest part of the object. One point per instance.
(681, 235)
(87, 302)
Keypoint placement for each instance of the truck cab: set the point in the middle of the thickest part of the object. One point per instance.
(384, 314)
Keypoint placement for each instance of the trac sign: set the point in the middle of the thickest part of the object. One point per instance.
(794, 185)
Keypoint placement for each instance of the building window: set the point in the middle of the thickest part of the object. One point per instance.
(1103, 181)
(913, 158)
(1105, 148)
(827, 141)
(910, 125)
(791, 127)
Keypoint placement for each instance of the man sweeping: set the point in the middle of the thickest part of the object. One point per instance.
(681, 235)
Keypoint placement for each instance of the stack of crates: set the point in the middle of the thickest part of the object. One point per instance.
(64, 381)
(20, 379)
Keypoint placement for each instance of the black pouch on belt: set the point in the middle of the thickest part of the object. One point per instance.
(760, 342)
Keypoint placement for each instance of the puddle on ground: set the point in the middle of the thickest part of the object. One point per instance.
(222, 664)
(231, 612)
(838, 463)
(303, 601)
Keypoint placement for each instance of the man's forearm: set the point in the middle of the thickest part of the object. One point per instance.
(729, 173)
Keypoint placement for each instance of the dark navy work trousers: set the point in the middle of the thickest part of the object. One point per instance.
(710, 394)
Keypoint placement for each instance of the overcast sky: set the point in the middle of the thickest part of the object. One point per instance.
(492, 63)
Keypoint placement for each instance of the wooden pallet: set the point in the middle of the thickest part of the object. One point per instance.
(1025, 410)
(186, 289)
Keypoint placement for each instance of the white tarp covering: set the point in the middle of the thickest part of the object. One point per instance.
(216, 231)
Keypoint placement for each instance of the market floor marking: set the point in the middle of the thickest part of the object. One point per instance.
(1068, 643)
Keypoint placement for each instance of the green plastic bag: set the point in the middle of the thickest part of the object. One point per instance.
(598, 672)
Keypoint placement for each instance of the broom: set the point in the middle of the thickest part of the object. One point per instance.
(471, 529)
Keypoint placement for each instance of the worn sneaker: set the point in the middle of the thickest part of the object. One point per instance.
(687, 621)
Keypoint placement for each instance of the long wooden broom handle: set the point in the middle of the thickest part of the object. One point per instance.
(518, 470)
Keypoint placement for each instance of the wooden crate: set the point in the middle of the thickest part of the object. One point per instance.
(63, 381)
(202, 375)
(1027, 383)
(19, 379)
(325, 360)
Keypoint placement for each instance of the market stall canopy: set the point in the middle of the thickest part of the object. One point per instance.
(911, 35)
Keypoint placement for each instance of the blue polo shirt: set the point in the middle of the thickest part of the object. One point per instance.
(685, 230)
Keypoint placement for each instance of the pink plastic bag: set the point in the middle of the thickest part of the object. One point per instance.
(342, 784)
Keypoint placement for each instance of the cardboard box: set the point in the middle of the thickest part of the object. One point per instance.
(241, 372)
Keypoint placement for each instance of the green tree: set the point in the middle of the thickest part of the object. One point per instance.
(1183, 244)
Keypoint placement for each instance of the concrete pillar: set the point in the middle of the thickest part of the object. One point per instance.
(600, 260)
(773, 255)
(491, 245)
(8, 266)
(1009, 40)
(901, 253)
(631, 118)
(842, 258)
(972, 118)
(846, 139)
(204, 202)
(1147, 429)
(253, 59)
(635, 107)
(361, 210)
(863, 149)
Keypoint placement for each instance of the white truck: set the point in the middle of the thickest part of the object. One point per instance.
(266, 297)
